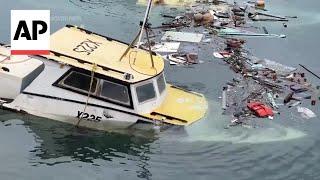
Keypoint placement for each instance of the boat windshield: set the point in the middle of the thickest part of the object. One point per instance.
(145, 92)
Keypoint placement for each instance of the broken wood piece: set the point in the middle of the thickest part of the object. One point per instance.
(270, 15)
(288, 98)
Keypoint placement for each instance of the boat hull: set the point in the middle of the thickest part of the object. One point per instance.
(75, 113)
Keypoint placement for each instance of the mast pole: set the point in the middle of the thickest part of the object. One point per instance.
(146, 16)
(139, 35)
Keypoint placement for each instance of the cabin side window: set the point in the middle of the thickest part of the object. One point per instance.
(161, 84)
(115, 92)
(80, 81)
(145, 92)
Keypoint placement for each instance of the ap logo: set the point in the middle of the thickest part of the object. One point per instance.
(30, 32)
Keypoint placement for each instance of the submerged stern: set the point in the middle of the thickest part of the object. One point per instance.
(180, 107)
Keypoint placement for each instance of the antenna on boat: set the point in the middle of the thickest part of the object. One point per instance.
(144, 26)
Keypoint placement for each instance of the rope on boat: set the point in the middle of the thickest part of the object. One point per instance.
(94, 67)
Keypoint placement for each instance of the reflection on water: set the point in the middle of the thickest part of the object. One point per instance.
(58, 143)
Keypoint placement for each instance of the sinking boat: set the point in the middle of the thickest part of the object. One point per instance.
(83, 82)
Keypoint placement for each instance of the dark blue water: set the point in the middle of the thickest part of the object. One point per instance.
(285, 148)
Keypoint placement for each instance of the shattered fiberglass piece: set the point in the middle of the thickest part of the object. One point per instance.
(182, 36)
(306, 113)
(170, 47)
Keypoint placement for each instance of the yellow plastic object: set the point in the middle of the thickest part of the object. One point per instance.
(81, 48)
(180, 107)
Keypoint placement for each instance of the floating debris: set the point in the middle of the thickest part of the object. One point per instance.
(222, 54)
(234, 32)
(182, 36)
(306, 113)
(261, 86)
(167, 47)
(260, 109)
(224, 98)
(183, 59)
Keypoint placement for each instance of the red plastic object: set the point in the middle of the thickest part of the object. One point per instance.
(260, 110)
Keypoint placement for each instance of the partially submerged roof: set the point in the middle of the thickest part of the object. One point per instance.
(81, 48)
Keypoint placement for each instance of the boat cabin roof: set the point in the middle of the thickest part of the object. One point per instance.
(87, 50)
